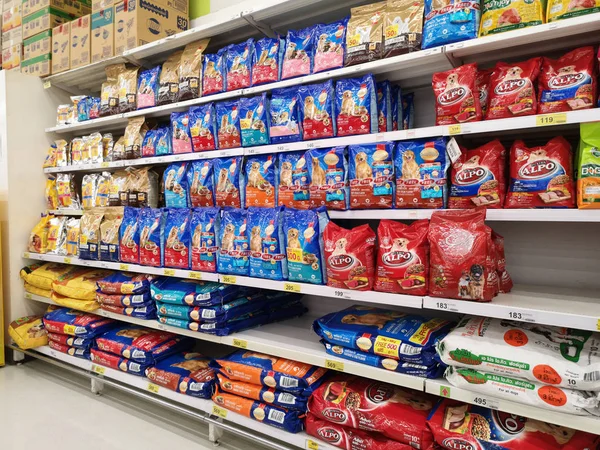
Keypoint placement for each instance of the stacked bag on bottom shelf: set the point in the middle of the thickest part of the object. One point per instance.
(186, 372)
(543, 366)
(127, 294)
(386, 339)
(266, 388)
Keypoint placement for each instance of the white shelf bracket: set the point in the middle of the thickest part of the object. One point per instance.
(97, 386)
(456, 62)
(215, 433)
(264, 29)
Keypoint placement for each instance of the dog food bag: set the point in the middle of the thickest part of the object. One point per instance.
(80, 283)
(124, 301)
(482, 84)
(191, 292)
(89, 184)
(63, 156)
(397, 413)
(57, 236)
(186, 372)
(478, 177)
(561, 9)
(505, 281)
(119, 189)
(190, 70)
(408, 111)
(384, 106)
(203, 127)
(356, 106)
(176, 238)
(182, 140)
(227, 176)
(151, 229)
(42, 276)
(234, 250)
(511, 15)
(587, 165)
(168, 87)
(83, 353)
(68, 196)
(89, 237)
(328, 174)
(163, 141)
(541, 177)
(568, 83)
(228, 121)
(266, 60)
(118, 363)
(134, 137)
(402, 27)
(267, 256)
(330, 42)
(109, 234)
(147, 90)
(254, 115)
(286, 120)
(270, 371)
(457, 98)
(145, 312)
(76, 323)
(447, 23)
(294, 187)
(127, 85)
(38, 238)
(238, 63)
(72, 236)
(149, 144)
(70, 341)
(129, 237)
(28, 332)
(260, 181)
(204, 226)
(109, 94)
(76, 151)
(213, 73)
(143, 187)
(299, 53)
(350, 257)
(364, 36)
(176, 185)
(200, 182)
(316, 102)
(372, 180)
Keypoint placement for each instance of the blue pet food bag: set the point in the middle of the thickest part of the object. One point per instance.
(267, 59)
(449, 22)
(397, 120)
(384, 106)
(228, 121)
(200, 182)
(227, 174)
(151, 225)
(238, 63)
(203, 127)
(371, 175)
(71, 341)
(408, 111)
(254, 126)
(146, 312)
(213, 73)
(76, 323)
(299, 53)
(176, 185)
(83, 109)
(180, 124)
(286, 120)
(205, 224)
(176, 238)
(304, 244)
(129, 237)
(192, 293)
(187, 373)
(148, 88)
(94, 111)
(293, 188)
(163, 142)
(234, 244)
(356, 106)
(267, 256)
(124, 283)
(118, 363)
(260, 180)
(149, 144)
(330, 43)
(316, 106)
(328, 175)
(124, 301)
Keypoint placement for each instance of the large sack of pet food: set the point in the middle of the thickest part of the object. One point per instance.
(372, 180)
(71, 341)
(364, 36)
(76, 323)
(43, 275)
(74, 303)
(80, 283)
(191, 292)
(124, 283)
(28, 332)
(83, 353)
(565, 9)
(587, 166)
(185, 372)
(456, 95)
(498, 17)
(449, 21)
(117, 362)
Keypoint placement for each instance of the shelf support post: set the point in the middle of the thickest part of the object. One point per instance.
(215, 433)
(97, 386)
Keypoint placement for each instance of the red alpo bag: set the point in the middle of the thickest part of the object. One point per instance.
(512, 89)
(482, 84)
(397, 413)
(505, 281)
(541, 177)
(350, 257)
(568, 83)
(350, 438)
(458, 255)
(402, 259)
(456, 97)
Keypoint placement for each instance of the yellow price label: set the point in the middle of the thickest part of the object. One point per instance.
(26, 255)
(98, 369)
(391, 31)
(105, 164)
(219, 412)
(169, 272)
(28, 295)
(240, 343)
(47, 84)
(69, 329)
(67, 260)
(195, 275)
(228, 279)
(598, 325)
(454, 129)
(291, 287)
(334, 365)
(311, 445)
(123, 266)
(153, 388)
(550, 119)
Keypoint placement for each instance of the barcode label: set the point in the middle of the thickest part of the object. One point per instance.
(208, 314)
(592, 376)
(286, 398)
(406, 349)
(288, 382)
(134, 367)
(276, 416)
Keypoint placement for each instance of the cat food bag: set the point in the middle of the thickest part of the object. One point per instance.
(168, 88)
(147, 91)
(457, 99)
(350, 257)
(146, 312)
(364, 37)
(403, 257)
(109, 234)
(129, 237)
(316, 106)
(482, 84)
(176, 238)
(108, 145)
(187, 373)
(190, 70)
(163, 145)
(151, 226)
(478, 177)
(285, 123)
(68, 197)
(204, 226)
(83, 353)
(134, 137)
(254, 126)
(260, 181)
(299, 53)
(403, 27)
(89, 238)
(226, 172)
(356, 106)
(541, 177)
(149, 144)
(587, 166)
(200, 182)
(408, 111)
(371, 175)
(176, 185)
(234, 249)
(330, 42)
(561, 9)
(73, 231)
(203, 127)
(238, 63)
(328, 175)
(127, 84)
(447, 23)
(568, 83)
(304, 244)
(512, 89)
(95, 148)
(109, 95)
(384, 106)
(267, 255)
(228, 121)
(118, 151)
(213, 73)
(266, 60)
(294, 184)
(180, 124)
(510, 15)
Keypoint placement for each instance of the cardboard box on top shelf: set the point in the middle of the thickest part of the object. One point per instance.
(11, 18)
(98, 5)
(37, 45)
(12, 37)
(61, 48)
(11, 57)
(103, 34)
(75, 7)
(81, 41)
(8, 4)
(44, 19)
(40, 66)
(138, 22)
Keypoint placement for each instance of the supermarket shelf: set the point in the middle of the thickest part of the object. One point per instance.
(101, 124)
(66, 212)
(444, 389)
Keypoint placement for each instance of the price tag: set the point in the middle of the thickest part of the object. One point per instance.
(124, 267)
(240, 343)
(228, 279)
(518, 315)
(342, 294)
(291, 287)
(153, 388)
(311, 445)
(446, 305)
(334, 365)
(250, 151)
(550, 119)
(28, 295)
(67, 260)
(26, 255)
(98, 369)
(411, 134)
(445, 391)
(53, 354)
(161, 326)
(379, 137)
(195, 275)
(47, 84)
(454, 129)
(487, 402)
(219, 412)
(169, 272)
(282, 148)
(598, 325)
(453, 150)
(105, 164)
(69, 329)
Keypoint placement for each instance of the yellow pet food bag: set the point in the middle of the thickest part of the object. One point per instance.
(80, 283)
(504, 15)
(28, 332)
(36, 290)
(565, 9)
(51, 193)
(588, 166)
(38, 239)
(75, 303)
(42, 275)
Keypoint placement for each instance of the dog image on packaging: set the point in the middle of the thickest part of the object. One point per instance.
(200, 182)
(203, 127)
(254, 123)
(213, 73)
(328, 174)
(456, 97)
(205, 224)
(151, 234)
(299, 53)
(238, 62)
(129, 237)
(147, 91)
(267, 258)
(356, 106)
(372, 181)
(228, 122)
(260, 180)
(316, 102)
(234, 249)
(294, 185)
(226, 174)
(330, 44)
(266, 60)
(176, 238)
(176, 185)
(182, 141)
(285, 124)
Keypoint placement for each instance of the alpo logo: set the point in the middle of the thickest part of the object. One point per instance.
(329, 435)
(509, 423)
(510, 86)
(341, 262)
(457, 444)
(471, 175)
(566, 80)
(397, 258)
(380, 392)
(452, 96)
(334, 414)
(538, 169)
(153, 26)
